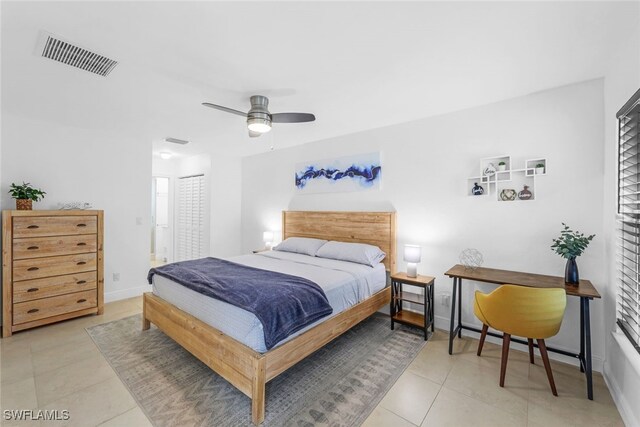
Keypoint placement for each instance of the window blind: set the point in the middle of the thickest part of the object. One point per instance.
(628, 298)
(190, 240)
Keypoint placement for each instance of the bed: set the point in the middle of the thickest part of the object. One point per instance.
(238, 355)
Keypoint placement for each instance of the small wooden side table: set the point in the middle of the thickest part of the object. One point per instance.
(398, 295)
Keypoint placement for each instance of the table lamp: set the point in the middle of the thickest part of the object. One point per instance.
(412, 255)
(267, 238)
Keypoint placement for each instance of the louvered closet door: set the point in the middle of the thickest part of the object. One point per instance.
(191, 215)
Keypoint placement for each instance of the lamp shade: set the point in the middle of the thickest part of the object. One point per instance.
(267, 236)
(412, 253)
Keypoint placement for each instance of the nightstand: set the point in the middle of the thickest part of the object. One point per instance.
(399, 294)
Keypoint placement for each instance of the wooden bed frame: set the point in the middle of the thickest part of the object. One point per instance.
(249, 370)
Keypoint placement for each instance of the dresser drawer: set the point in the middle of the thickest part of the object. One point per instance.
(35, 268)
(42, 226)
(37, 247)
(29, 311)
(28, 290)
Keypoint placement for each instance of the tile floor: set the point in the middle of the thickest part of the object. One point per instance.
(59, 367)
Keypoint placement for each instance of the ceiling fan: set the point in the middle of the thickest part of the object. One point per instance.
(259, 119)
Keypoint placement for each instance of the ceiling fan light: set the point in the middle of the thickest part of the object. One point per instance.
(259, 125)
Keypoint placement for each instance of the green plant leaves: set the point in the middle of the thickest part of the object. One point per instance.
(26, 191)
(570, 244)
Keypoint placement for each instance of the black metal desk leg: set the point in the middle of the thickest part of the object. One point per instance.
(453, 315)
(587, 345)
(582, 356)
(426, 310)
(433, 310)
(392, 310)
(459, 307)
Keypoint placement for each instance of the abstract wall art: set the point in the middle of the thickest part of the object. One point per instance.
(350, 173)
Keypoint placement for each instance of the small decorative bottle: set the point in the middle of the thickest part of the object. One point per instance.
(525, 194)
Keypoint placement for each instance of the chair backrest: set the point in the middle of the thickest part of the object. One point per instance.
(523, 311)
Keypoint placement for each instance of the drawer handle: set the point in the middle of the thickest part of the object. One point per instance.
(32, 269)
(33, 248)
(81, 263)
(33, 310)
(81, 300)
(33, 226)
(82, 244)
(81, 282)
(82, 225)
(33, 289)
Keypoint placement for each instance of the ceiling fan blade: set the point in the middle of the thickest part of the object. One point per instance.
(221, 108)
(253, 134)
(292, 117)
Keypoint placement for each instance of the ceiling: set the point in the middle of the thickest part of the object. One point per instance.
(356, 66)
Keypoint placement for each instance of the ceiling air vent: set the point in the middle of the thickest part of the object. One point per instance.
(176, 141)
(53, 48)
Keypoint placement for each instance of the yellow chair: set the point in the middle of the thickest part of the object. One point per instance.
(534, 313)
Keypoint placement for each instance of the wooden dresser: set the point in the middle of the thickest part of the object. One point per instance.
(52, 267)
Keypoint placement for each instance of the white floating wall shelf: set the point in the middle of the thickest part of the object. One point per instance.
(497, 178)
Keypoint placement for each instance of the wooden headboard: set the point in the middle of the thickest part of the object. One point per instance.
(374, 228)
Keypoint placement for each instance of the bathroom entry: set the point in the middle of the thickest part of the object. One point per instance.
(161, 226)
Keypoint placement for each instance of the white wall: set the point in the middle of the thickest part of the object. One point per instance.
(425, 166)
(111, 171)
(622, 364)
(226, 189)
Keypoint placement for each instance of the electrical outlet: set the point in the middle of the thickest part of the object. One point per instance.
(445, 299)
(116, 277)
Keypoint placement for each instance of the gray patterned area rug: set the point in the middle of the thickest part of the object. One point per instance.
(338, 385)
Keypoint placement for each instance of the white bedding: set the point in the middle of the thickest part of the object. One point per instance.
(344, 283)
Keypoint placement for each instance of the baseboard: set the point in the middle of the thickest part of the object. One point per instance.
(626, 413)
(628, 410)
(597, 361)
(126, 293)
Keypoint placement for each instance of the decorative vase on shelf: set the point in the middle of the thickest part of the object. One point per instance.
(539, 170)
(502, 167)
(477, 190)
(571, 272)
(525, 194)
(508, 195)
(24, 204)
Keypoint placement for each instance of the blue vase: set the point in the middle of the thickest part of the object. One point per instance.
(571, 272)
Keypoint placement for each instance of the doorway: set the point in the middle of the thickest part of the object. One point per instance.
(161, 229)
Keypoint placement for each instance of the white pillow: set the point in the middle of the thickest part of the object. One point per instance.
(300, 245)
(360, 253)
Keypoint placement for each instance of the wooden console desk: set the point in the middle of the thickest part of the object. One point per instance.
(584, 290)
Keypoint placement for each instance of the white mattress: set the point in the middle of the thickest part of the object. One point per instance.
(344, 283)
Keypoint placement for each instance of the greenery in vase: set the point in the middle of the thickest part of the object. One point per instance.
(26, 191)
(571, 243)
(502, 164)
(540, 165)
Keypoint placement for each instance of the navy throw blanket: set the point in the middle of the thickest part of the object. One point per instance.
(283, 303)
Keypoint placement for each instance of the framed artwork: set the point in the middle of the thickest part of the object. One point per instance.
(350, 173)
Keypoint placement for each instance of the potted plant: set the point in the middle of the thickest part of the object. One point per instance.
(502, 166)
(570, 245)
(25, 195)
(540, 168)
